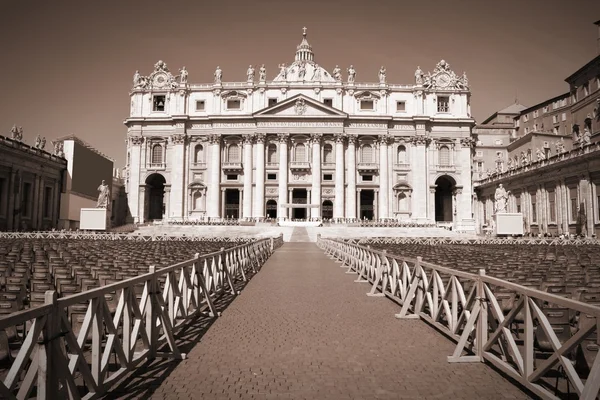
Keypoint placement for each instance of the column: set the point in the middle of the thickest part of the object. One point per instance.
(431, 202)
(384, 199)
(223, 210)
(11, 200)
(33, 218)
(133, 189)
(315, 197)
(357, 194)
(290, 211)
(259, 190)
(308, 207)
(590, 206)
(376, 205)
(55, 204)
(351, 209)
(142, 203)
(177, 164)
(419, 179)
(167, 200)
(465, 205)
(215, 177)
(242, 203)
(283, 174)
(246, 212)
(338, 204)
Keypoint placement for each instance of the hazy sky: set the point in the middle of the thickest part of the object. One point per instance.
(67, 66)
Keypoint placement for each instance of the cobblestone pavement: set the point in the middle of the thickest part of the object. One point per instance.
(302, 329)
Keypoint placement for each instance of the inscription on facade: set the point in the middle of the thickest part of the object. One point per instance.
(301, 124)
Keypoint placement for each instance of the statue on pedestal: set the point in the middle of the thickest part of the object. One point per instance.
(317, 73)
(301, 71)
(351, 74)
(337, 73)
(382, 74)
(540, 154)
(103, 197)
(419, 76)
(283, 71)
(262, 73)
(501, 198)
(250, 73)
(38, 141)
(218, 75)
(43, 143)
(137, 79)
(16, 133)
(183, 75)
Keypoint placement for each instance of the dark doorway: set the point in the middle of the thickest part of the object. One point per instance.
(327, 210)
(299, 196)
(271, 209)
(232, 203)
(367, 201)
(156, 195)
(443, 199)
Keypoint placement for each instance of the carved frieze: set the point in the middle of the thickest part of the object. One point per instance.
(260, 137)
(316, 138)
(178, 138)
(420, 140)
(298, 124)
(339, 137)
(248, 139)
(214, 139)
(136, 140)
(467, 142)
(283, 137)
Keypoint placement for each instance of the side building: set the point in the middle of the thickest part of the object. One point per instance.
(553, 166)
(31, 180)
(304, 145)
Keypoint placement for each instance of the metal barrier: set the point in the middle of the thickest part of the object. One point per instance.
(132, 320)
(478, 240)
(479, 313)
(119, 236)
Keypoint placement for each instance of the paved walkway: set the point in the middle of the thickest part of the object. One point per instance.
(302, 329)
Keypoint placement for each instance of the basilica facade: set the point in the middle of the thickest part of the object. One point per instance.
(307, 144)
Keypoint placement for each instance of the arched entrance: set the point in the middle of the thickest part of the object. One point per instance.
(271, 209)
(232, 203)
(299, 196)
(156, 194)
(444, 210)
(367, 202)
(327, 210)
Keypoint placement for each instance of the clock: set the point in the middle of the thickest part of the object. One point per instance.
(160, 80)
(443, 80)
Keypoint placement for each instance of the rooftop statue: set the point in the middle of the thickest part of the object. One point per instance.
(262, 73)
(183, 75)
(250, 73)
(43, 143)
(301, 71)
(382, 74)
(283, 71)
(337, 73)
(351, 74)
(218, 75)
(317, 73)
(16, 133)
(38, 141)
(418, 76)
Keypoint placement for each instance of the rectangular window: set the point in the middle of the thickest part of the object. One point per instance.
(272, 102)
(563, 116)
(47, 202)
(533, 208)
(480, 166)
(366, 104)
(498, 142)
(586, 89)
(234, 104)
(367, 178)
(555, 119)
(526, 117)
(518, 201)
(327, 177)
(555, 130)
(535, 114)
(200, 105)
(158, 103)
(573, 199)
(479, 153)
(328, 102)
(443, 104)
(271, 177)
(400, 106)
(545, 109)
(26, 199)
(552, 205)
(232, 177)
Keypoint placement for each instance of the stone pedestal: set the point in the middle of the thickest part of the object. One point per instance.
(97, 219)
(508, 224)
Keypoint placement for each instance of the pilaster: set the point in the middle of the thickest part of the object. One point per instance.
(384, 199)
(133, 191)
(214, 192)
(283, 173)
(259, 190)
(351, 209)
(419, 181)
(177, 164)
(338, 204)
(315, 197)
(247, 199)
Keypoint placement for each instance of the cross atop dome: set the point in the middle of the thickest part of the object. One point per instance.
(304, 31)
(304, 50)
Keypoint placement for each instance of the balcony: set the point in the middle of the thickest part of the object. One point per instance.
(446, 168)
(328, 165)
(367, 167)
(199, 165)
(299, 166)
(156, 166)
(272, 165)
(401, 167)
(232, 167)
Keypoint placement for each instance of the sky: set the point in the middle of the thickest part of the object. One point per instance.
(67, 66)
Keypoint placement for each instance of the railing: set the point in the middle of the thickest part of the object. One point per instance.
(272, 165)
(117, 236)
(299, 165)
(131, 320)
(200, 165)
(367, 166)
(479, 240)
(156, 166)
(401, 166)
(441, 167)
(232, 166)
(479, 313)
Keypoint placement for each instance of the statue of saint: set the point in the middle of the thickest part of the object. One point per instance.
(301, 71)
(586, 137)
(250, 73)
(317, 74)
(16, 132)
(351, 74)
(38, 141)
(218, 75)
(283, 71)
(337, 73)
(262, 73)
(103, 196)
(540, 154)
(419, 76)
(500, 197)
(382, 74)
(137, 79)
(183, 75)
(43, 143)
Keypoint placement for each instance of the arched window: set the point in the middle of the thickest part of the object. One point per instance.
(233, 153)
(272, 153)
(328, 153)
(197, 200)
(157, 154)
(367, 154)
(402, 202)
(444, 155)
(401, 154)
(300, 152)
(199, 154)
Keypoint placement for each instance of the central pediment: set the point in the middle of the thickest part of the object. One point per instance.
(300, 106)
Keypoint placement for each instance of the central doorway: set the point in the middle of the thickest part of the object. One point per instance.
(232, 203)
(327, 210)
(443, 199)
(367, 201)
(156, 194)
(299, 196)
(271, 209)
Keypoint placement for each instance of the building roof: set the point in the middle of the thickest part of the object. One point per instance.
(543, 103)
(84, 144)
(594, 61)
(512, 109)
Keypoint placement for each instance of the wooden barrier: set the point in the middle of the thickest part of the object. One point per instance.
(471, 309)
(59, 360)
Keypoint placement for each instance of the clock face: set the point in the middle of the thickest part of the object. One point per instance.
(159, 80)
(443, 80)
